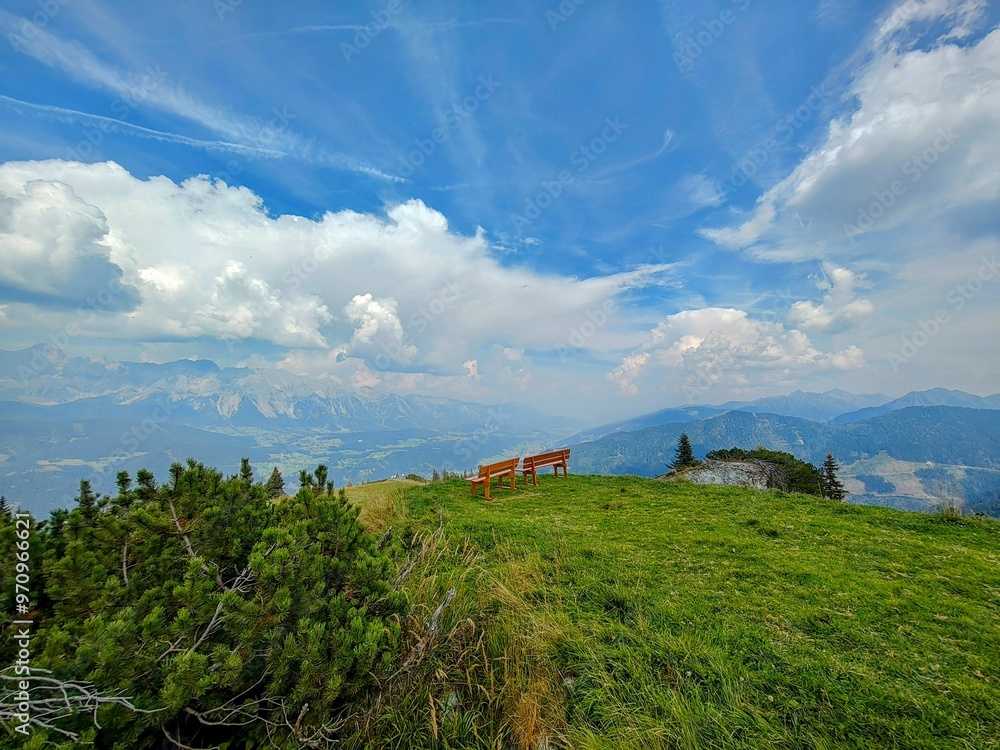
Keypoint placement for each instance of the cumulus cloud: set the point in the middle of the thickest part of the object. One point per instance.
(920, 144)
(364, 378)
(378, 329)
(625, 374)
(697, 350)
(399, 292)
(508, 368)
(54, 243)
(241, 306)
(472, 368)
(840, 306)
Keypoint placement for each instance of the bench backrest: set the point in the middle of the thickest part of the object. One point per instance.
(499, 467)
(544, 459)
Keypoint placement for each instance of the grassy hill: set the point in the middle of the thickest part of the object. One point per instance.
(950, 452)
(629, 612)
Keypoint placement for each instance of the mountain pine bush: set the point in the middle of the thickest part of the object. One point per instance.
(202, 611)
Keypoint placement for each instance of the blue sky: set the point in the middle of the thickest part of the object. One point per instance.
(640, 205)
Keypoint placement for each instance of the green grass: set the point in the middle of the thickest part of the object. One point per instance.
(670, 615)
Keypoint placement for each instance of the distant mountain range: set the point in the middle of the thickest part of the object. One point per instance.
(933, 397)
(914, 457)
(63, 419)
(834, 406)
(818, 407)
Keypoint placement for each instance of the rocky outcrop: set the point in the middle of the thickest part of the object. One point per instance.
(757, 474)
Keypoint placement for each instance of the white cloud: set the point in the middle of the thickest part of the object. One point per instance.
(624, 375)
(899, 199)
(698, 350)
(400, 292)
(963, 15)
(700, 191)
(840, 305)
(472, 368)
(364, 378)
(919, 146)
(241, 306)
(378, 329)
(54, 243)
(746, 233)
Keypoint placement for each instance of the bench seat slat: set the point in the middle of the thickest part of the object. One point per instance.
(500, 469)
(555, 459)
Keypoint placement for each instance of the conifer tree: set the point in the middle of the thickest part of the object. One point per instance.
(87, 501)
(275, 483)
(684, 455)
(124, 482)
(833, 488)
(305, 478)
(321, 473)
(146, 482)
(246, 470)
(176, 472)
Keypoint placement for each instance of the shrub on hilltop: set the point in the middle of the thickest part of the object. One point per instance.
(790, 473)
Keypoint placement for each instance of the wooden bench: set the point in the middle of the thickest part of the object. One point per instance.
(556, 459)
(501, 469)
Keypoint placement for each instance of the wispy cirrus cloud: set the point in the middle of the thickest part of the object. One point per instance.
(237, 130)
(110, 124)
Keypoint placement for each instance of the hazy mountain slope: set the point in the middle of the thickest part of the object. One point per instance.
(819, 407)
(664, 416)
(932, 397)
